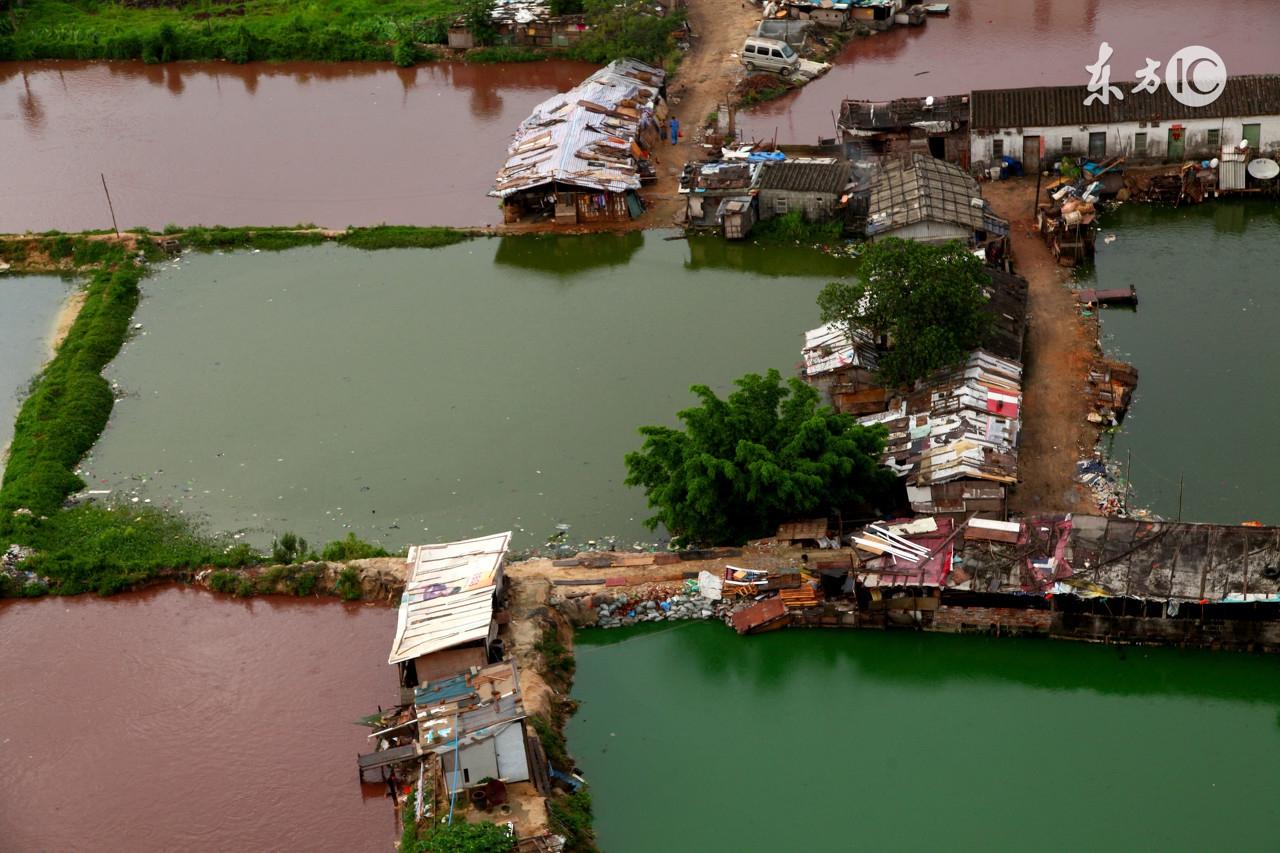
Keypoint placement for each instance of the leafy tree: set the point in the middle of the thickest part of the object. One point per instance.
(463, 837)
(561, 7)
(741, 466)
(626, 28)
(927, 299)
(479, 17)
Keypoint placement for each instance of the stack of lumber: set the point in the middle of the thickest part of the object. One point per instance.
(800, 597)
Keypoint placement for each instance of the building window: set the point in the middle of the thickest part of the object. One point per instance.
(779, 205)
(997, 149)
(1098, 145)
(1139, 143)
(1214, 138)
(1066, 144)
(1253, 133)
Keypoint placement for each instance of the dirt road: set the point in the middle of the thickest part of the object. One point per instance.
(707, 74)
(1060, 345)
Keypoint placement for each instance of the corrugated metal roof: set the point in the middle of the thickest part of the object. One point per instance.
(959, 423)
(924, 188)
(584, 137)
(828, 348)
(448, 595)
(1091, 556)
(830, 178)
(1062, 106)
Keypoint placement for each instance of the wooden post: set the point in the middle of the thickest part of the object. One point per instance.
(1180, 476)
(1035, 202)
(110, 207)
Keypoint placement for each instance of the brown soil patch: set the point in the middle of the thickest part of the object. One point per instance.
(66, 318)
(1059, 348)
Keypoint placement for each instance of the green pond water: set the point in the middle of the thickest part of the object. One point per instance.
(1206, 344)
(696, 739)
(28, 309)
(413, 395)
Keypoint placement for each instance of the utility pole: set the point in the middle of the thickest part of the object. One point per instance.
(1128, 476)
(1180, 476)
(110, 207)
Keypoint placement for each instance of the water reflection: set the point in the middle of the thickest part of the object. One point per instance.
(927, 661)
(566, 256)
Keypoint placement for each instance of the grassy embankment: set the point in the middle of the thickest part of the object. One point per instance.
(107, 549)
(380, 30)
(399, 31)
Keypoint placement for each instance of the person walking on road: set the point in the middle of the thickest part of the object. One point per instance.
(675, 130)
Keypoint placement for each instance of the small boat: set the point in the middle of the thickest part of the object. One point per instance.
(938, 9)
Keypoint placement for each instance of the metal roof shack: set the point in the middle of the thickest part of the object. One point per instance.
(954, 438)
(829, 347)
(593, 138)
(1061, 106)
(923, 198)
(475, 722)
(1007, 307)
(449, 596)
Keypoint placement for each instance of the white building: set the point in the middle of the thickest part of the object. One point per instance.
(1044, 124)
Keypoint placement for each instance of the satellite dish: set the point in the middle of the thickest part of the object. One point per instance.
(1213, 164)
(1264, 169)
(928, 102)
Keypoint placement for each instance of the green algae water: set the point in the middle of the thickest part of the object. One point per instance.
(696, 739)
(1205, 341)
(427, 395)
(28, 309)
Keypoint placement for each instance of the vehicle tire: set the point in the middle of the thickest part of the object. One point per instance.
(785, 72)
(751, 66)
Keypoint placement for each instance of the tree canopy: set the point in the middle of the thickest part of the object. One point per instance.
(926, 298)
(768, 453)
(627, 28)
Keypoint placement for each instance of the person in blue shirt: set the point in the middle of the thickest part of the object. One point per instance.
(675, 130)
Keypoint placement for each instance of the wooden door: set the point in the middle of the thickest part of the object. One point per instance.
(1174, 151)
(1031, 154)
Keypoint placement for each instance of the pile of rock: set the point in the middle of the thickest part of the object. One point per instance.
(623, 610)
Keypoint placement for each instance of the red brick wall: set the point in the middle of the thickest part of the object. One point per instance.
(1008, 620)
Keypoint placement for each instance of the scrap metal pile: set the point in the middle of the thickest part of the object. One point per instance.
(595, 136)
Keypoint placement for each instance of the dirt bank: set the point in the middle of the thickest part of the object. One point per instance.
(66, 318)
(1059, 348)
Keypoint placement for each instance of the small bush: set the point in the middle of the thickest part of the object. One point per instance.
(289, 548)
(571, 815)
(348, 585)
(504, 53)
(225, 582)
(553, 742)
(304, 583)
(791, 228)
(559, 660)
(351, 548)
(245, 587)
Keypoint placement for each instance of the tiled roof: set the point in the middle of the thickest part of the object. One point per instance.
(829, 178)
(1063, 106)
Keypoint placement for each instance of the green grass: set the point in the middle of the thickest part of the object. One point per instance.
(351, 548)
(238, 32)
(68, 406)
(218, 238)
(403, 237)
(506, 53)
(93, 548)
(791, 228)
(571, 815)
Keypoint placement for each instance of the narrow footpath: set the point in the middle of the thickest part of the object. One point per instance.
(1059, 349)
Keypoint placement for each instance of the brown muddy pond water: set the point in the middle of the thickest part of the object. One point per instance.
(996, 44)
(260, 144)
(175, 719)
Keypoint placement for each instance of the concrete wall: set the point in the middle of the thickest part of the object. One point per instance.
(929, 232)
(1121, 138)
(816, 207)
(1238, 634)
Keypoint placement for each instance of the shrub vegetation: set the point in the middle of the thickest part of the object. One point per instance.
(768, 453)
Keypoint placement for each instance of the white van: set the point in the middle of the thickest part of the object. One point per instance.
(761, 54)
